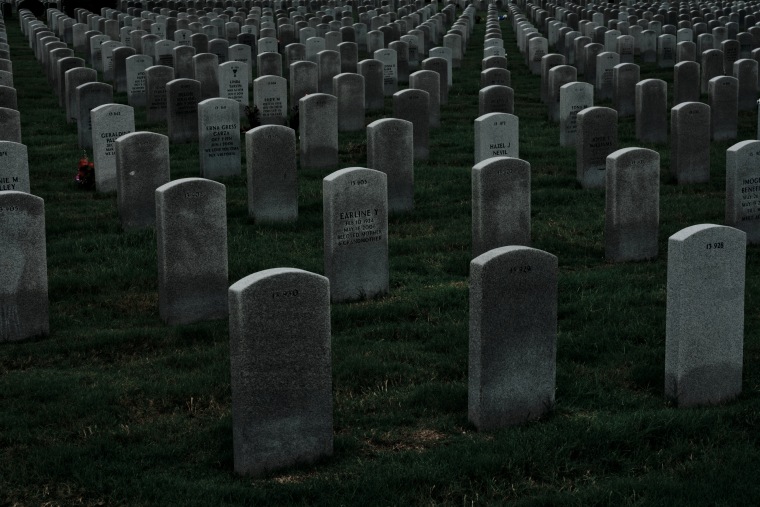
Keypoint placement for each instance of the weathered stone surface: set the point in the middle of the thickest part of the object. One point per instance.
(573, 98)
(272, 173)
(705, 315)
(651, 111)
(191, 234)
(413, 105)
(90, 96)
(14, 167)
(10, 125)
(500, 204)
(390, 150)
(596, 138)
(280, 323)
(142, 165)
(349, 89)
(270, 95)
(23, 267)
(182, 98)
(632, 209)
(690, 142)
(723, 98)
(513, 336)
(318, 131)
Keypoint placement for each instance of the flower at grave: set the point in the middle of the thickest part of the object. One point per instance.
(85, 177)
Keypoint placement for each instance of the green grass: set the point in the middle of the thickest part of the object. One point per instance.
(115, 408)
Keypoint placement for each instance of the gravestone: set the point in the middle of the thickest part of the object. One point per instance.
(723, 98)
(219, 138)
(142, 165)
(109, 122)
(10, 125)
(390, 150)
(136, 82)
(557, 77)
(596, 138)
(704, 334)
(206, 71)
(120, 56)
(272, 173)
(573, 98)
(191, 234)
(712, 66)
(746, 73)
(413, 105)
(389, 60)
(496, 99)
(624, 79)
(743, 188)
(318, 131)
(279, 323)
(651, 111)
(441, 66)
(14, 168)
(304, 80)
(496, 135)
(355, 213)
(349, 89)
(328, 64)
(632, 205)
(233, 83)
(500, 204)
(605, 63)
(75, 78)
(23, 277)
(183, 62)
(513, 336)
(372, 71)
(88, 97)
(156, 78)
(270, 96)
(182, 97)
(690, 142)
(429, 81)
(686, 87)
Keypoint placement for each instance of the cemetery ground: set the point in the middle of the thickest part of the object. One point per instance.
(116, 408)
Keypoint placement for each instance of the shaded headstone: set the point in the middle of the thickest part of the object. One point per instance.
(272, 174)
(723, 98)
(120, 56)
(632, 205)
(690, 142)
(711, 66)
(191, 236)
(389, 60)
(355, 213)
(743, 188)
(109, 122)
(206, 71)
(624, 79)
(372, 71)
(605, 63)
(745, 71)
(704, 337)
(88, 97)
(182, 97)
(496, 99)
(136, 81)
(686, 86)
(156, 78)
(596, 138)
(500, 204)
(233, 83)
(513, 336)
(413, 105)
(74, 78)
(318, 131)
(219, 138)
(441, 66)
(280, 323)
(304, 80)
(390, 150)
(23, 277)
(142, 165)
(651, 111)
(328, 63)
(349, 89)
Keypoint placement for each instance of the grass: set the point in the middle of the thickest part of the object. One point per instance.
(115, 408)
